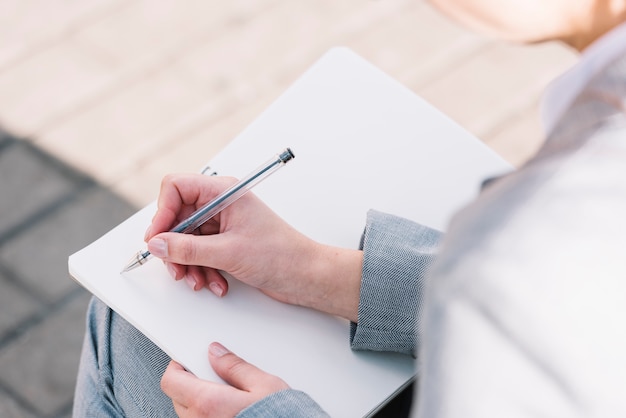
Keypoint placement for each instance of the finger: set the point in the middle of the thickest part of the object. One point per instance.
(199, 277)
(193, 250)
(193, 397)
(177, 271)
(194, 277)
(178, 384)
(180, 195)
(209, 278)
(238, 372)
(180, 410)
(215, 282)
(169, 204)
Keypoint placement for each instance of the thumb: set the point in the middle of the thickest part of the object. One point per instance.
(241, 374)
(189, 249)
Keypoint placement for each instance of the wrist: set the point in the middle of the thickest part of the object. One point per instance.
(334, 275)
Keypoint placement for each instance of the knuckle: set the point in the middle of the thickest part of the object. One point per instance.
(168, 179)
(236, 367)
(273, 383)
(188, 250)
(204, 407)
(165, 383)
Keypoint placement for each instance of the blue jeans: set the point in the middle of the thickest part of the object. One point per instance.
(120, 370)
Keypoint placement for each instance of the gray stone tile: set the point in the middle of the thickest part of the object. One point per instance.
(5, 137)
(28, 26)
(28, 183)
(40, 366)
(26, 93)
(9, 408)
(64, 232)
(15, 306)
(65, 414)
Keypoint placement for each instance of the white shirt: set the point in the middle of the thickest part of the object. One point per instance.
(525, 306)
(563, 91)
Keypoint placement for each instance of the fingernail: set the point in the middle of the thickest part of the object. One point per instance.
(191, 282)
(147, 234)
(217, 350)
(171, 270)
(217, 289)
(158, 247)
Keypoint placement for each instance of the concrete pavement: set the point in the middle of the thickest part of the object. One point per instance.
(48, 211)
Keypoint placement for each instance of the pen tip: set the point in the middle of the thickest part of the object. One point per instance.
(138, 259)
(131, 265)
(126, 269)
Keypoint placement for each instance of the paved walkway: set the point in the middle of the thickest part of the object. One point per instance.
(100, 98)
(48, 211)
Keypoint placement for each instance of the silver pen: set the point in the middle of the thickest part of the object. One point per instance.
(219, 203)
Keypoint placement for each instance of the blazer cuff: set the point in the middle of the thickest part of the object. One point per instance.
(284, 404)
(396, 256)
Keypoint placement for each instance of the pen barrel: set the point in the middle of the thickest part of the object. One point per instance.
(229, 196)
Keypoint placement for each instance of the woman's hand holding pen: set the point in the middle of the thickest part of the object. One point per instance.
(254, 245)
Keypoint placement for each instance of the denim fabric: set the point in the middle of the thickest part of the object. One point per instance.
(120, 370)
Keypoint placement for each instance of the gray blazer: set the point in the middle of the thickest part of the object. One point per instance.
(525, 306)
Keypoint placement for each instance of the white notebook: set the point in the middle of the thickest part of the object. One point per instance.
(361, 141)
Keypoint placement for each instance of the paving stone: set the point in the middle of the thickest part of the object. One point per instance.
(416, 43)
(109, 137)
(277, 45)
(9, 408)
(188, 153)
(478, 101)
(25, 18)
(241, 55)
(86, 65)
(27, 25)
(30, 97)
(41, 365)
(63, 233)
(29, 183)
(5, 137)
(146, 24)
(15, 306)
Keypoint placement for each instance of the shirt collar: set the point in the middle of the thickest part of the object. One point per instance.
(563, 91)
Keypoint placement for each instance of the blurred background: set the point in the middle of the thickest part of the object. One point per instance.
(101, 98)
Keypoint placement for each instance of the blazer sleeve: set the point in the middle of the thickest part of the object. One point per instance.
(289, 403)
(397, 255)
